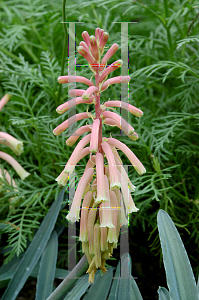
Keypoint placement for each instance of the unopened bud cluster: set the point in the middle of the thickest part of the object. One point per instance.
(103, 194)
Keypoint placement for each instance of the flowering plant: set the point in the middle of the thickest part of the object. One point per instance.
(16, 146)
(104, 188)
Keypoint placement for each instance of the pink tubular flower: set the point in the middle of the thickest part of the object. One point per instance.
(74, 137)
(112, 232)
(86, 205)
(71, 103)
(84, 45)
(105, 208)
(101, 191)
(97, 245)
(111, 122)
(103, 40)
(118, 79)
(132, 109)
(73, 78)
(75, 208)
(63, 126)
(117, 64)
(18, 168)
(131, 156)
(94, 136)
(114, 180)
(4, 100)
(88, 93)
(15, 145)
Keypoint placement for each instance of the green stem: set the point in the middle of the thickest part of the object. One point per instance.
(166, 8)
(69, 281)
(64, 48)
(31, 54)
(10, 54)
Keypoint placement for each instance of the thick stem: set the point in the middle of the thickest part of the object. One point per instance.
(98, 111)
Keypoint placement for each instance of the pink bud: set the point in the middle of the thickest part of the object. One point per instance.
(132, 135)
(7, 177)
(105, 207)
(94, 136)
(88, 93)
(86, 205)
(63, 126)
(18, 168)
(94, 48)
(131, 156)
(103, 40)
(97, 32)
(86, 55)
(101, 191)
(109, 54)
(132, 109)
(74, 137)
(84, 45)
(118, 79)
(76, 92)
(114, 180)
(86, 38)
(75, 208)
(71, 103)
(15, 145)
(114, 66)
(128, 129)
(74, 78)
(4, 100)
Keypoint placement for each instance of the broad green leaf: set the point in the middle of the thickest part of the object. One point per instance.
(180, 277)
(115, 284)
(34, 251)
(47, 268)
(100, 289)
(135, 292)
(163, 293)
(79, 289)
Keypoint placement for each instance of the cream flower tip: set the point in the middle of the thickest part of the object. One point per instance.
(15, 145)
(62, 178)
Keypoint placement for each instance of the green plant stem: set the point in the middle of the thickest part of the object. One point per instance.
(168, 29)
(10, 54)
(69, 281)
(30, 53)
(64, 48)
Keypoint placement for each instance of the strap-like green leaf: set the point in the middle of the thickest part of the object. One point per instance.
(100, 289)
(163, 293)
(47, 269)
(79, 289)
(34, 251)
(180, 277)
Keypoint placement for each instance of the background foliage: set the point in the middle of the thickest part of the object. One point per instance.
(164, 70)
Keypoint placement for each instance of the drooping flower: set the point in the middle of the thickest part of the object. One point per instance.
(104, 189)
